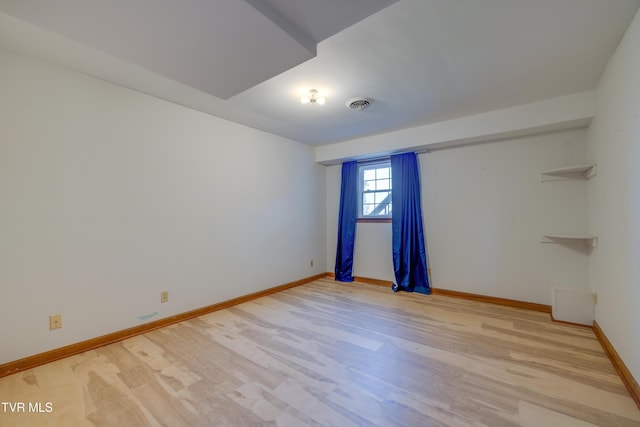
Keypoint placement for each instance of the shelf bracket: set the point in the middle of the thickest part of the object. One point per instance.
(570, 173)
(589, 241)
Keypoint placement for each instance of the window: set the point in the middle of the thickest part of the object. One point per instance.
(374, 190)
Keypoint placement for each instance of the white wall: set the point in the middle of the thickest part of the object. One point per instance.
(373, 254)
(614, 199)
(109, 196)
(484, 210)
(332, 196)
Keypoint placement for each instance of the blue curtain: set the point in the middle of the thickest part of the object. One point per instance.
(347, 222)
(409, 253)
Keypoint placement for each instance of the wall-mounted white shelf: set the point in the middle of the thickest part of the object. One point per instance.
(588, 239)
(570, 172)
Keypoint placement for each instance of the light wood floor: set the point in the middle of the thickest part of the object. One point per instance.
(336, 355)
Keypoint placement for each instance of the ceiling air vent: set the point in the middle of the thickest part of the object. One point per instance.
(359, 103)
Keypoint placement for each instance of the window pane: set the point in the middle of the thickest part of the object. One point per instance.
(381, 197)
(375, 189)
(382, 173)
(382, 211)
(368, 198)
(383, 184)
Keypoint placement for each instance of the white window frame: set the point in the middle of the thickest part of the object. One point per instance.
(362, 167)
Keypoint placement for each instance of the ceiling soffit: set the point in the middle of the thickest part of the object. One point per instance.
(221, 47)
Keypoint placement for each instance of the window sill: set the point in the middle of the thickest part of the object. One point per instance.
(372, 220)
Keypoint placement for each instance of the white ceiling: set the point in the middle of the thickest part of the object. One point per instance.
(423, 61)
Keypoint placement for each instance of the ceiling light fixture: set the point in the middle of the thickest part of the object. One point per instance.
(313, 97)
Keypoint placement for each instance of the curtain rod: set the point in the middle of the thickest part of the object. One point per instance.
(387, 157)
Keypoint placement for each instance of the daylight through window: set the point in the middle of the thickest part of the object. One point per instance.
(375, 190)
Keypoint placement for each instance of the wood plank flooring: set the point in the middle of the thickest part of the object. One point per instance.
(331, 354)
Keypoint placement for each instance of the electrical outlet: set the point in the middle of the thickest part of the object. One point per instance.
(311, 263)
(164, 296)
(55, 321)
